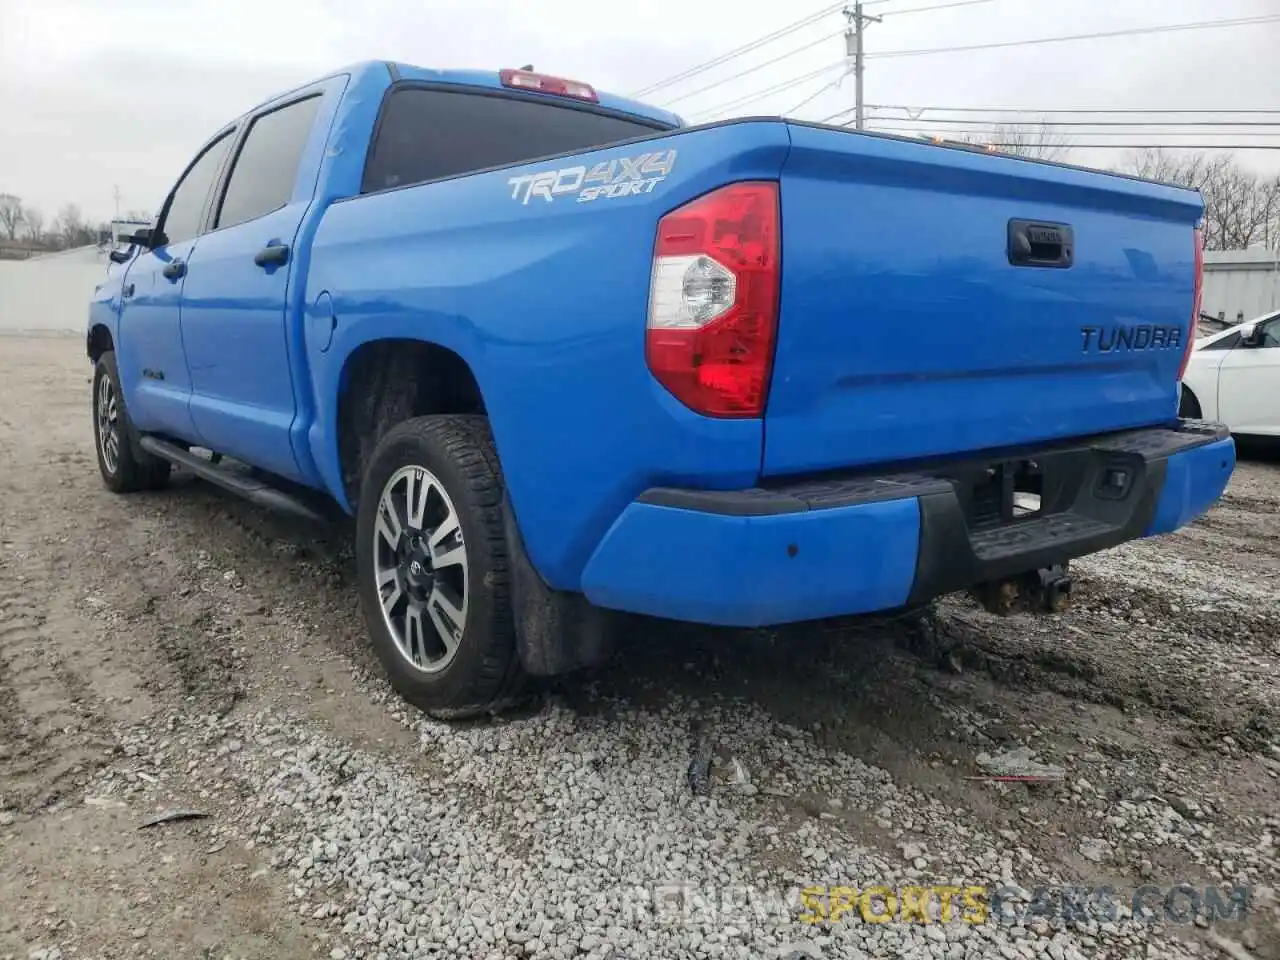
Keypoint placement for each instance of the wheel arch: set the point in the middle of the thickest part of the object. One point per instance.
(1189, 404)
(98, 340)
(384, 382)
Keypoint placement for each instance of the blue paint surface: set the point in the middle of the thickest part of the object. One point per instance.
(903, 332)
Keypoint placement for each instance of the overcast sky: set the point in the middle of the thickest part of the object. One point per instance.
(100, 93)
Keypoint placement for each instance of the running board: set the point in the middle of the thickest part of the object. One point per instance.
(251, 488)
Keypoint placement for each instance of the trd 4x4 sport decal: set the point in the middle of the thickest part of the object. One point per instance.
(623, 177)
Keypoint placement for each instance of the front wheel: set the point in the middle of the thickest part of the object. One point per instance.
(432, 566)
(123, 466)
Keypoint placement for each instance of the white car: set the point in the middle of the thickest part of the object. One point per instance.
(1234, 378)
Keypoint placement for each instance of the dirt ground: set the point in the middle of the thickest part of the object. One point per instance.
(179, 650)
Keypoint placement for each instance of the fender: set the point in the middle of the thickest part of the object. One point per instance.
(107, 304)
(330, 370)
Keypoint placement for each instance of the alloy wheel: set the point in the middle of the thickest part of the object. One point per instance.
(420, 562)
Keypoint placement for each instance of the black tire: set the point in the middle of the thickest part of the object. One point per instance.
(124, 466)
(484, 673)
(1189, 406)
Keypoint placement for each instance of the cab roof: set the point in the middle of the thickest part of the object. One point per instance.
(491, 80)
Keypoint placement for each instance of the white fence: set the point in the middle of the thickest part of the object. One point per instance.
(49, 293)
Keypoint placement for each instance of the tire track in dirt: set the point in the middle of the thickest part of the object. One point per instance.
(50, 736)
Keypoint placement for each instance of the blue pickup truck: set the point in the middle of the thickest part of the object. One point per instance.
(562, 355)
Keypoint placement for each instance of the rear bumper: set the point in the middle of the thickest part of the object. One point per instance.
(864, 543)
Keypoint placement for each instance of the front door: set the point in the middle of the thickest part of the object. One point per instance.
(234, 302)
(1249, 384)
(153, 365)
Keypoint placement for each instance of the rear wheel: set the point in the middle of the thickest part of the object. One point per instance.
(432, 566)
(124, 467)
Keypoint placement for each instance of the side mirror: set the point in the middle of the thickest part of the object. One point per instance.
(148, 237)
(1250, 336)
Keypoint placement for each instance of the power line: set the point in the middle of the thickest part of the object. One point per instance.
(963, 121)
(838, 113)
(739, 51)
(1132, 32)
(997, 132)
(782, 32)
(750, 70)
(1065, 110)
(1156, 146)
(814, 96)
(1135, 31)
(936, 6)
(810, 45)
(907, 135)
(776, 88)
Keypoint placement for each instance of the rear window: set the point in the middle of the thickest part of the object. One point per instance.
(427, 134)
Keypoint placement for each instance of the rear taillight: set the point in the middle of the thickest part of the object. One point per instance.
(541, 83)
(1195, 303)
(713, 300)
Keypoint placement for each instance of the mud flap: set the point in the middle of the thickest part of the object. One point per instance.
(556, 631)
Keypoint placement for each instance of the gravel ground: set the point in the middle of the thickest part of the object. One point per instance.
(184, 651)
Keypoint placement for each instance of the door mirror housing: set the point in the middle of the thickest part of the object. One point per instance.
(1251, 336)
(149, 238)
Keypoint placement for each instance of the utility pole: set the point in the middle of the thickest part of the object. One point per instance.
(115, 195)
(853, 50)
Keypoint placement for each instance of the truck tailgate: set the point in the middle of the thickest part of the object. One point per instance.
(938, 301)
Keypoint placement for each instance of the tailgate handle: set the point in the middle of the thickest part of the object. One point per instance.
(1036, 244)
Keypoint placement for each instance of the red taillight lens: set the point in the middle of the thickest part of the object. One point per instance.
(1195, 304)
(713, 300)
(525, 80)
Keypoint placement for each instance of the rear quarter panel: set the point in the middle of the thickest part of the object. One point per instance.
(546, 301)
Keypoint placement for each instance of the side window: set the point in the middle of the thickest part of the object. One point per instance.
(1226, 343)
(186, 206)
(1270, 334)
(267, 165)
(427, 134)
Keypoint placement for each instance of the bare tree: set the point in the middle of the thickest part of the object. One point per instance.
(1039, 141)
(71, 229)
(35, 224)
(1240, 208)
(11, 215)
(1271, 210)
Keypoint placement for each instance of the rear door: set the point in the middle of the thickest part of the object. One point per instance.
(1249, 384)
(150, 355)
(234, 305)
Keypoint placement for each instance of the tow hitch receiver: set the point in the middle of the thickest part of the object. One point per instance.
(1047, 590)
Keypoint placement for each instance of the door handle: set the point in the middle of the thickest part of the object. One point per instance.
(127, 292)
(272, 255)
(175, 270)
(1035, 244)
